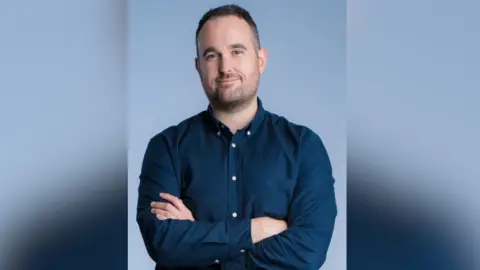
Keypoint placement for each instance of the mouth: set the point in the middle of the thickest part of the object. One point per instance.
(227, 80)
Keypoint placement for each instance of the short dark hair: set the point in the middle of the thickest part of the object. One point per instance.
(228, 10)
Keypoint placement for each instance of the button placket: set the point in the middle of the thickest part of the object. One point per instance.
(233, 169)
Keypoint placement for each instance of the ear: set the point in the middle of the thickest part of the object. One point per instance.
(197, 65)
(262, 59)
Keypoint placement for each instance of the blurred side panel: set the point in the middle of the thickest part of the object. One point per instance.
(413, 134)
(63, 198)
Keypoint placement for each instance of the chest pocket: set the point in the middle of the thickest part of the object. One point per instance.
(269, 182)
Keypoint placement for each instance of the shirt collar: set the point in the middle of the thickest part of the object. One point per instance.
(252, 126)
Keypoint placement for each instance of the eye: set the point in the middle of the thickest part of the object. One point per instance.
(210, 56)
(237, 52)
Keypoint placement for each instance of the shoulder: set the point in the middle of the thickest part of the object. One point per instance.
(301, 135)
(308, 146)
(301, 140)
(174, 133)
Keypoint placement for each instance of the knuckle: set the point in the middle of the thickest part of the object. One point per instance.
(175, 201)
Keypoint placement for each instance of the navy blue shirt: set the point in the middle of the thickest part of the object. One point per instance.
(272, 167)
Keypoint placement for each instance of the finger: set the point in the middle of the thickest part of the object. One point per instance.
(160, 217)
(163, 214)
(172, 209)
(161, 205)
(156, 211)
(167, 207)
(170, 198)
(173, 200)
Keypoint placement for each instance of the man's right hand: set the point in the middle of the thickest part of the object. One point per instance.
(265, 227)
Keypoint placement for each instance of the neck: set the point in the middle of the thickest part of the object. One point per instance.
(237, 119)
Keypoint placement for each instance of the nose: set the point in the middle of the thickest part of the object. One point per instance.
(225, 67)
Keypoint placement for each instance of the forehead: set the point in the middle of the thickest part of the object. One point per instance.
(225, 30)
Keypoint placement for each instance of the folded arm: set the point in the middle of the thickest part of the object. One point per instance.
(311, 217)
(181, 243)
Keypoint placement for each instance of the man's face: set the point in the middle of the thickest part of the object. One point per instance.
(229, 62)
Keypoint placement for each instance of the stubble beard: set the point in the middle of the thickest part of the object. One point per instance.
(245, 97)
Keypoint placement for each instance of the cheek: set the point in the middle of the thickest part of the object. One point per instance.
(205, 77)
(210, 73)
(249, 67)
(251, 72)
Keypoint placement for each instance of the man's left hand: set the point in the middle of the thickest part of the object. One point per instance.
(173, 209)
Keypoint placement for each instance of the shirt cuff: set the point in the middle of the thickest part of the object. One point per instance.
(240, 233)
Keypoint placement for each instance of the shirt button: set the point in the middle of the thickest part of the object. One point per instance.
(234, 215)
(217, 261)
(234, 178)
(234, 145)
(218, 133)
(248, 133)
(242, 250)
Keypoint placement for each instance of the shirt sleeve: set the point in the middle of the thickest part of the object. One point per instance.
(181, 243)
(311, 217)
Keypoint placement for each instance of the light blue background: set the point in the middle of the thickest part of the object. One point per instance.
(304, 81)
(62, 128)
(413, 85)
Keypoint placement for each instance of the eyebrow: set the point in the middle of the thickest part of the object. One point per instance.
(232, 46)
(237, 46)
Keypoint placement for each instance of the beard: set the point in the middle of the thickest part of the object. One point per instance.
(232, 98)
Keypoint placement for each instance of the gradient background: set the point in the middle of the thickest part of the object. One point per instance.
(413, 129)
(304, 81)
(412, 83)
(63, 189)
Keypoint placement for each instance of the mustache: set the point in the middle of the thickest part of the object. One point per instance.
(228, 77)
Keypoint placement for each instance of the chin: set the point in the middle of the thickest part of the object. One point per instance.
(229, 95)
(229, 100)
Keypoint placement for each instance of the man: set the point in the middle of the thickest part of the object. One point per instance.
(235, 186)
